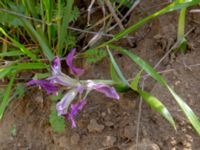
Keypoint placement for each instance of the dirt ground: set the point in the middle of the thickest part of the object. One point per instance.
(105, 124)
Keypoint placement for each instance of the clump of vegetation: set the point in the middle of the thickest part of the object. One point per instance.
(36, 33)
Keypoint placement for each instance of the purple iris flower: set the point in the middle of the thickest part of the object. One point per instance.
(69, 61)
(49, 87)
(75, 87)
(75, 108)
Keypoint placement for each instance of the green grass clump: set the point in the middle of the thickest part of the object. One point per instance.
(33, 32)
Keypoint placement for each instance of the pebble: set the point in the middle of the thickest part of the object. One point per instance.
(109, 141)
(63, 142)
(75, 138)
(109, 123)
(93, 126)
(129, 132)
(173, 141)
(146, 144)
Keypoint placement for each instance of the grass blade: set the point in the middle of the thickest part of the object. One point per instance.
(63, 28)
(20, 46)
(118, 84)
(5, 100)
(24, 66)
(11, 53)
(4, 72)
(171, 7)
(194, 120)
(40, 38)
(156, 105)
(118, 71)
(181, 31)
(135, 81)
(185, 108)
(15, 53)
(48, 14)
(152, 101)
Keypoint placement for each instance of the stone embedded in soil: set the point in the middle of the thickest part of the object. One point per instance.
(129, 132)
(146, 144)
(109, 123)
(93, 126)
(63, 142)
(109, 141)
(75, 138)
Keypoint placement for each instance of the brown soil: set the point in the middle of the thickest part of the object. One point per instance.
(105, 124)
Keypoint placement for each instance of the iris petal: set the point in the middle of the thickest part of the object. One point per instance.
(63, 105)
(75, 108)
(59, 77)
(56, 66)
(69, 61)
(64, 80)
(107, 90)
(49, 87)
(103, 88)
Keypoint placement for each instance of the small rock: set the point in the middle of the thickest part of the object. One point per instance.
(146, 144)
(173, 141)
(63, 142)
(94, 126)
(75, 138)
(109, 123)
(157, 36)
(129, 132)
(109, 141)
(103, 114)
(189, 138)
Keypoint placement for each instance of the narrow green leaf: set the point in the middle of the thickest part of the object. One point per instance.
(119, 85)
(48, 14)
(185, 108)
(14, 52)
(151, 71)
(11, 53)
(39, 37)
(158, 106)
(4, 72)
(114, 74)
(135, 81)
(116, 67)
(20, 46)
(5, 100)
(30, 6)
(171, 7)
(23, 66)
(65, 22)
(181, 31)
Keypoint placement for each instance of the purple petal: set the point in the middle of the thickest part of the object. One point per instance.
(107, 90)
(63, 105)
(75, 108)
(80, 88)
(103, 88)
(64, 80)
(69, 61)
(56, 66)
(49, 87)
